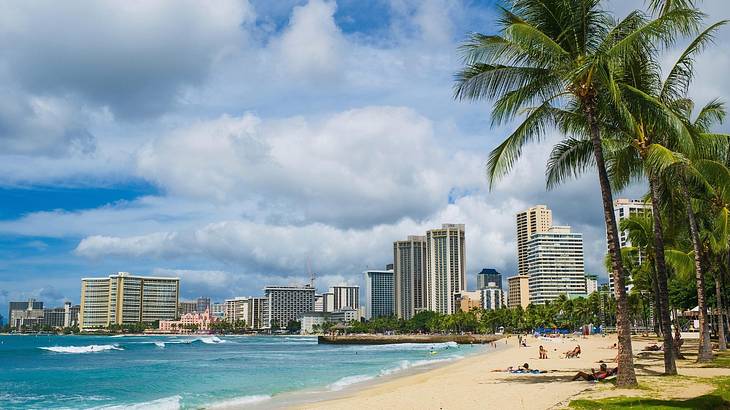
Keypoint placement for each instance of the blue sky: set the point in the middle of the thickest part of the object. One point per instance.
(230, 145)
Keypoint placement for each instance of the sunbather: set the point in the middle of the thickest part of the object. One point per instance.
(594, 375)
(543, 353)
(573, 353)
(652, 348)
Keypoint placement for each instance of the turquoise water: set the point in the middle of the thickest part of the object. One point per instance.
(52, 372)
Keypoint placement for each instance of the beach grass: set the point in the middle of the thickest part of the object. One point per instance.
(717, 399)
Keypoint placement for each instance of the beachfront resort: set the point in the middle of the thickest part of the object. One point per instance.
(381, 205)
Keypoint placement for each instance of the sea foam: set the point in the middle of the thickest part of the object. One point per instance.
(346, 381)
(81, 349)
(238, 402)
(166, 403)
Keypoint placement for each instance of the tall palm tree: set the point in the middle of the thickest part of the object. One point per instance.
(554, 60)
(649, 125)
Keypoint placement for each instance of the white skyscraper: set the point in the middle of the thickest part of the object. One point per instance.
(536, 219)
(345, 296)
(491, 296)
(445, 268)
(622, 209)
(555, 264)
(286, 303)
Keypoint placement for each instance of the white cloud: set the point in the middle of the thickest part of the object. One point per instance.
(311, 46)
(362, 166)
(132, 56)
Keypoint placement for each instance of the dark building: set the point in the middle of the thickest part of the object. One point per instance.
(489, 275)
(203, 304)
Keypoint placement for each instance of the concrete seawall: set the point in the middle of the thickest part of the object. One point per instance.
(390, 339)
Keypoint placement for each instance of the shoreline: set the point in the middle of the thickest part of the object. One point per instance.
(321, 394)
(471, 383)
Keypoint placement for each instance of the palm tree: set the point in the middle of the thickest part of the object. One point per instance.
(648, 125)
(554, 60)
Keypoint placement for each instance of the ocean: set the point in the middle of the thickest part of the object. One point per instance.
(192, 372)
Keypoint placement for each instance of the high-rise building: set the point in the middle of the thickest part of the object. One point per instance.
(622, 209)
(379, 293)
(123, 298)
(285, 303)
(30, 304)
(345, 296)
(203, 304)
(328, 302)
(591, 283)
(65, 316)
(491, 296)
(555, 264)
(469, 300)
(518, 291)
(536, 219)
(236, 309)
(409, 276)
(445, 268)
(218, 310)
(256, 309)
(488, 275)
(187, 306)
(28, 314)
(318, 303)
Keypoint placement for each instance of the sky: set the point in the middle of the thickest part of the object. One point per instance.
(240, 145)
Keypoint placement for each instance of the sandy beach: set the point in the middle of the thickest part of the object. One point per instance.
(471, 384)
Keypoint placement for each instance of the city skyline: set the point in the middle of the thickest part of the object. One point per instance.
(101, 180)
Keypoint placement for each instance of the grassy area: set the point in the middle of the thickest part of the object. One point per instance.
(718, 399)
(722, 359)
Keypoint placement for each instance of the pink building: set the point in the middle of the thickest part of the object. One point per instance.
(189, 323)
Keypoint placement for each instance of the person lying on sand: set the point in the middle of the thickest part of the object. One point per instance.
(594, 375)
(524, 369)
(652, 348)
(573, 353)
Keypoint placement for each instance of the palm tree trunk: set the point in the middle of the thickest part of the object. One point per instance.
(670, 365)
(625, 358)
(705, 348)
(723, 278)
(655, 289)
(720, 316)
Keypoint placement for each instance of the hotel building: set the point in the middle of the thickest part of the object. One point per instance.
(186, 306)
(488, 275)
(536, 219)
(286, 303)
(469, 300)
(123, 298)
(445, 268)
(518, 291)
(409, 280)
(236, 309)
(491, 296)
(65, 316)
(28, 313)
(189, 323)
(555, 264)
(345, 296)
(622, 209)
(591, 283)
(379, 293)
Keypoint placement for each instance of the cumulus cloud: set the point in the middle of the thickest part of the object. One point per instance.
(359, 167)
(130, 56)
